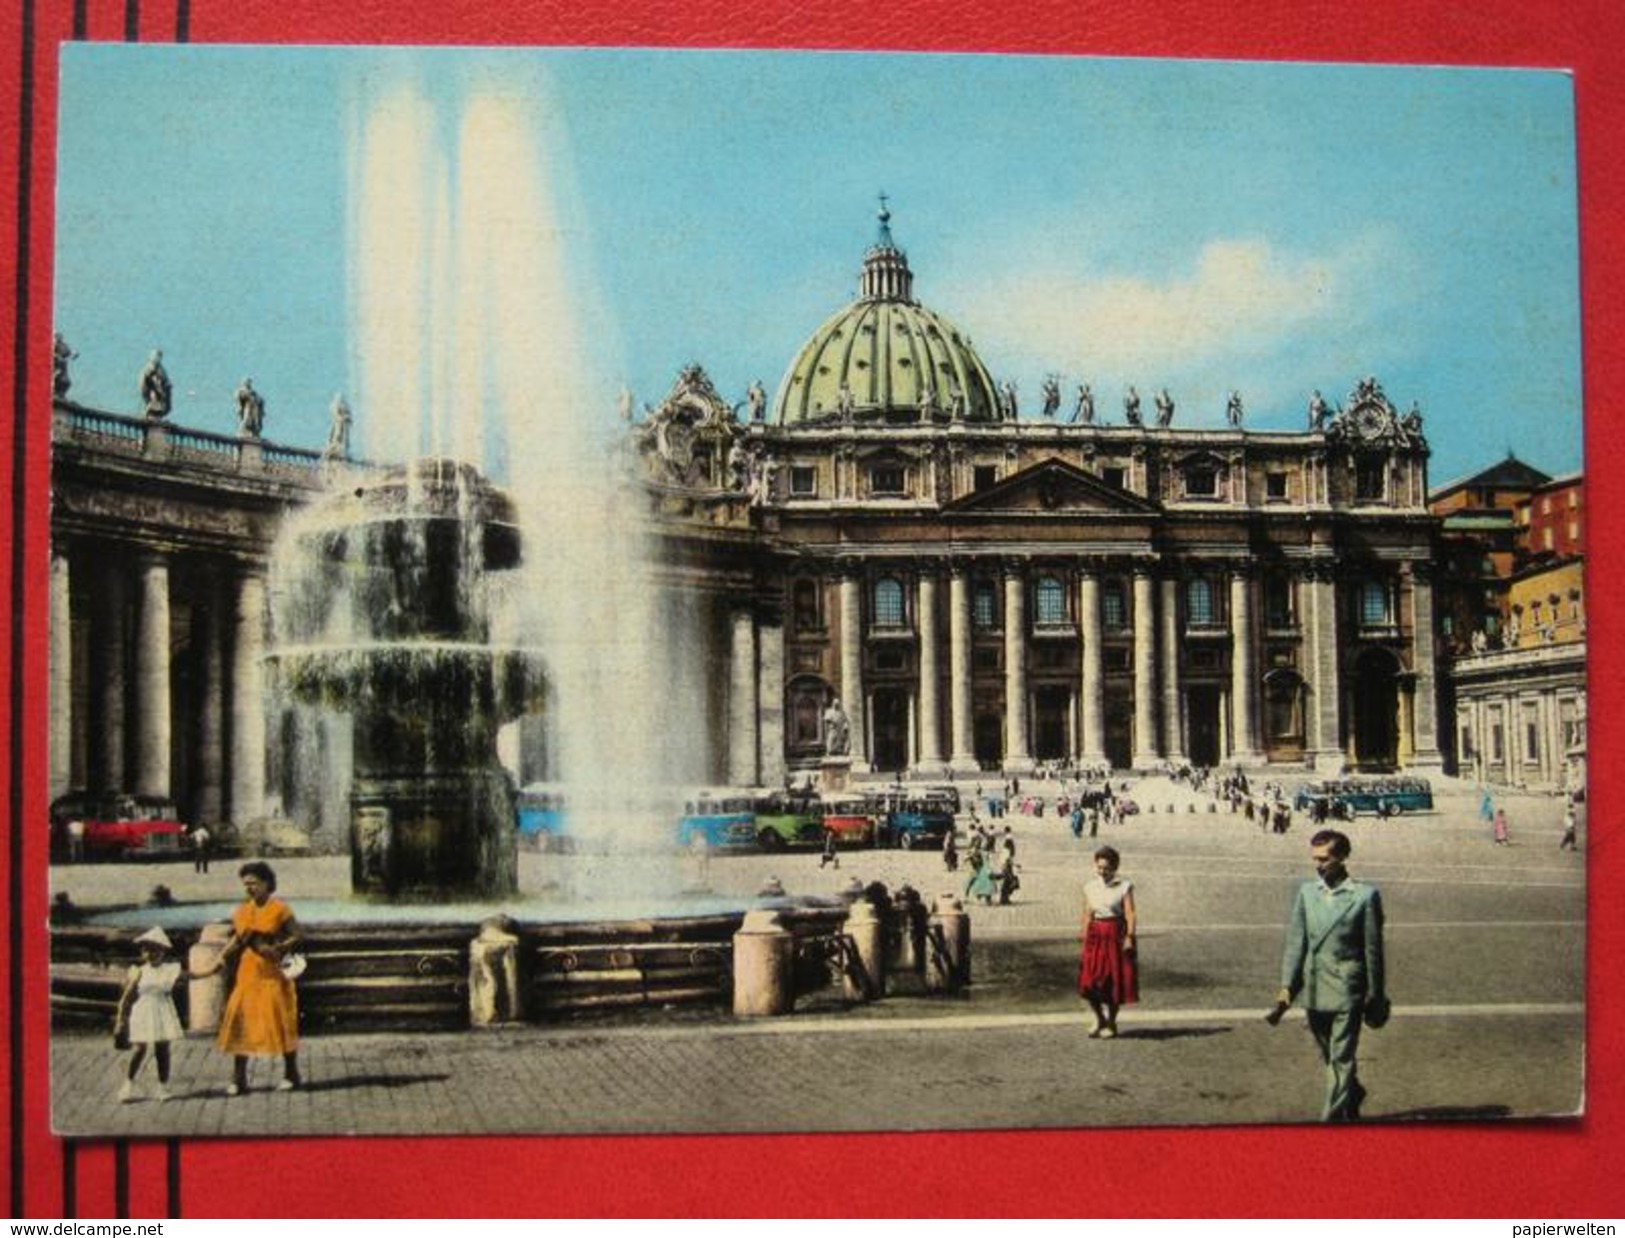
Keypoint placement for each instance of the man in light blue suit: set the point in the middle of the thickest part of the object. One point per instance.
(1334, 960)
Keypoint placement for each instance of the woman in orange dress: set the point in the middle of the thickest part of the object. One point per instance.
(262, 1013)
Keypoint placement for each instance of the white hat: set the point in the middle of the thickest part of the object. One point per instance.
(157, 937)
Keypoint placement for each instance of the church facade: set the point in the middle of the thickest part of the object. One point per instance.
(983, 590)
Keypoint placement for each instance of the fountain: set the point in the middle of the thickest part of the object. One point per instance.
(381, 610)
(403, 602)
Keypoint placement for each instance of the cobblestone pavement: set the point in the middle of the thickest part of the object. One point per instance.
(1486, 956)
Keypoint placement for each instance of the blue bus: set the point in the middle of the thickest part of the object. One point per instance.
(540, 814)
(722, 818)
(1343, 797)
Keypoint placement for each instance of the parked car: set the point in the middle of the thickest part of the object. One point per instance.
(539, 814)
(1343, 797)
(849, 818)
(722, 818)
(118, 826)
(784, 820)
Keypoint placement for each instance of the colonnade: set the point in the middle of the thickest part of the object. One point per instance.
(124, 676)
(1155, 631)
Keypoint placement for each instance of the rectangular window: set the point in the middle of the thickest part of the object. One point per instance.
(1199, 598)
(1546, 538)
(1373, 605)
(1574, 530)
(1201, 483)
(886, 479)
(986, 659)
(1275, 486)
(1497, 745)
(985, 475)
(803, 481)
(984, 608)
(1370, 479)
(1113, 476)
(1112, 611)
(1531, 742)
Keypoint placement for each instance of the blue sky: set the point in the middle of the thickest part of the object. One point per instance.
(1203, 226)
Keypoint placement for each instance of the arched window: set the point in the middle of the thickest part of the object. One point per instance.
(888, 602)
(1051, 599)
(1199, 603)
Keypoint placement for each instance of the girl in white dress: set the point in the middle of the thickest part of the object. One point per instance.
(146, 1011)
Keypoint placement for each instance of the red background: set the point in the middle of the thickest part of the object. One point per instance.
(1515, 1170)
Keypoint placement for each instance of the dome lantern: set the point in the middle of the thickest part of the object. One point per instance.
(886, 276)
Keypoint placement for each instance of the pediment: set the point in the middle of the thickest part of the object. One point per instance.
(1053, 487)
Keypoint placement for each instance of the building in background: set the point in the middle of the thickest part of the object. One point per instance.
(1513, 626)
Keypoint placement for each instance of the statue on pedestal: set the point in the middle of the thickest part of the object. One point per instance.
(1232, 410)
(1084, 411)
(837, 730)
(250, 410)
(1131, 408)
(1318, 412)
(61, 354)
(1165, 409)
(1052, 397)
(338, 430)
(155, 387)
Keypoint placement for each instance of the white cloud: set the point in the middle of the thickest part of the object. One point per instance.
(1241, 312)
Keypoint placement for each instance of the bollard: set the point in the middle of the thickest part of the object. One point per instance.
(908, 932)
(864, 977)
(206, 996)
(764, 957)
(493, 975)
(947, 967)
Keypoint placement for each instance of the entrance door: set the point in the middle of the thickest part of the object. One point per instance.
(1053, 707)
(1119, 738)
(989, 741)
(1376, 710)
(891, 730)
(1202, 704)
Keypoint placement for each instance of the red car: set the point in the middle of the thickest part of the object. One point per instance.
(117, 827)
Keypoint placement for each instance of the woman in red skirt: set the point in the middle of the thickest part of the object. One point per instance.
(1107, 976)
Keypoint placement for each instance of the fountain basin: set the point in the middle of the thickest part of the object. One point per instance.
(378, 967)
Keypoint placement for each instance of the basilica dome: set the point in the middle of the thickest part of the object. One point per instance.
(886, 357)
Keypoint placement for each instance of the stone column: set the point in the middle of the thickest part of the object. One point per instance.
(742, 738)
(248, 702)
(110, 638)
(1092, 702)
(962, 739)
(1145, 671)
(852, 666)
(152, 680)
(1243, 679)
(210, 628)
(1017, 758)
(770, 701)
(1425, 711)
(930, 754)
(1173, 741)
(61, 695)
(1325, 755)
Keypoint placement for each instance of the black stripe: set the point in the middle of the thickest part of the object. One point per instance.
(183, 33)
(121, 1178)
(70, 1179)
(81, 18)
(174, 1167)
(132, 20)
(19, 511)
